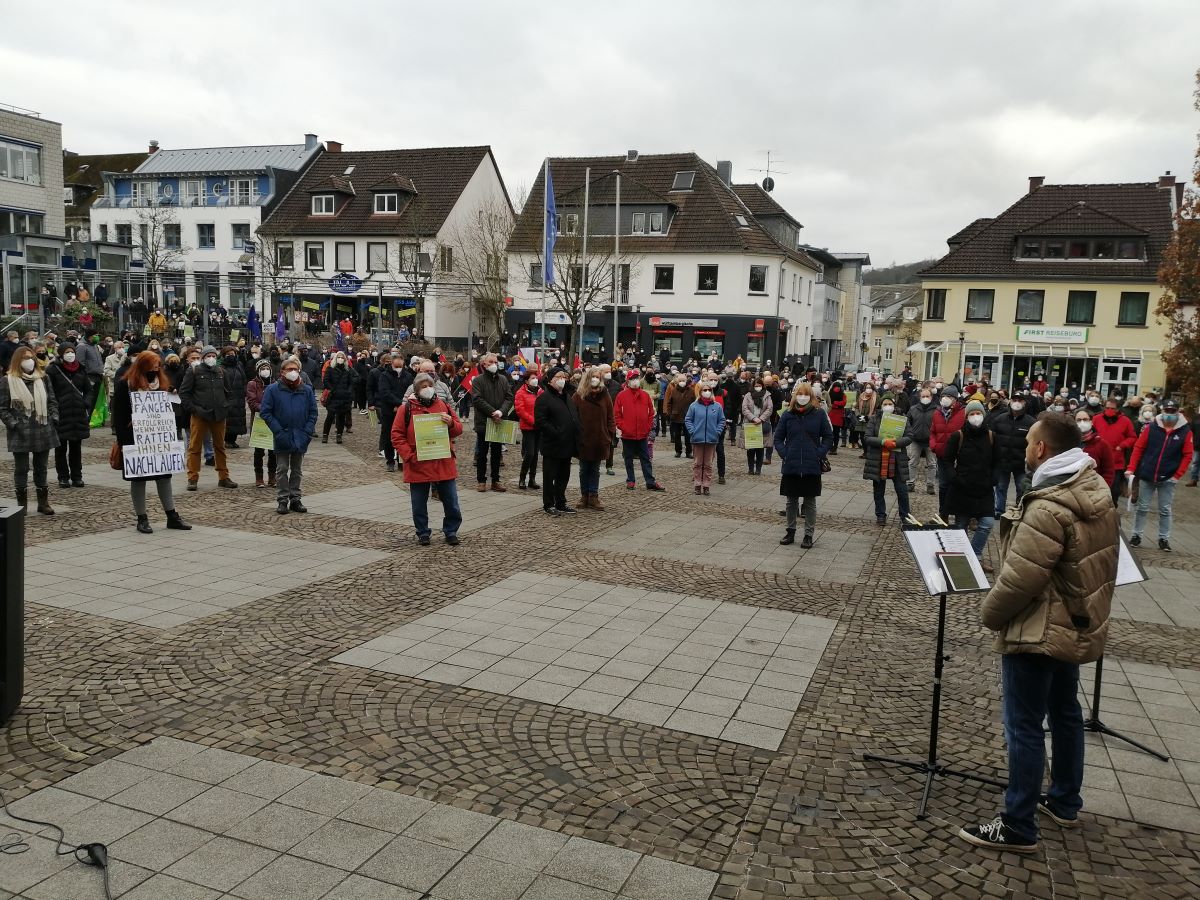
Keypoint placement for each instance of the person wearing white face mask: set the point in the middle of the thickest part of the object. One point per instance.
(205, 393)
(557, 422)
(1094, 446)
(424, 475)
(887, 460)
(29, 409)
(76, 395)
(705, 422)
(679, 396)
(920, 418)
(492, 398)
(970, 459)
(1010, 430)
(289, 407)
(949, 418)
(337, 396)
(523, 402)
(803, 439)
(255, 388)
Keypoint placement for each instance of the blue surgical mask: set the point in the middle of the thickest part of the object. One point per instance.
(1170, 418)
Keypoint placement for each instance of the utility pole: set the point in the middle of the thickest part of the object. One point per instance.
(616, 265)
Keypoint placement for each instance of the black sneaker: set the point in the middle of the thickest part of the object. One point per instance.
(565, 511)
(423, 540)
(807, 543)
(996, 836)
(282, 507)
(1135, 541)
(1044, 808)
(655, 487)
(551, 511)
(297, 506)
(1164, 545)
(452, 540)
(881, 520)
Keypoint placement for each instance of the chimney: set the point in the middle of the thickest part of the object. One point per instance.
(310, 142)
(1035, 182)
(1166, 180)
(631, 156)
(153, 147)
(333, 146)
(725, 170)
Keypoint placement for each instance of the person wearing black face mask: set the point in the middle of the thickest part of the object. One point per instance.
(235, 377)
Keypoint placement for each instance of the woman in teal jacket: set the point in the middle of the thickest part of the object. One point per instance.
(705, 423)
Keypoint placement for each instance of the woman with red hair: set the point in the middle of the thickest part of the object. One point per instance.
(145, 373)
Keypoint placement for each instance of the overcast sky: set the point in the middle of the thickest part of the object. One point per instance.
(894, 123)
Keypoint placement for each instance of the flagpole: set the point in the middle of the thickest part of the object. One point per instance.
(545, 220)
(616, 266)
(585, 276)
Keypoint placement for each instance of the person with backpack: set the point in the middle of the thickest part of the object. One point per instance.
(969, 459)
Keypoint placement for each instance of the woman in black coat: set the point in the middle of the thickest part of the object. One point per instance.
(557, 423)
(339, 382)
(971, 457)
(76, 394)
(235, 383)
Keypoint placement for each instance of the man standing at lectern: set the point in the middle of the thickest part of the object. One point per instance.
(1049, 608)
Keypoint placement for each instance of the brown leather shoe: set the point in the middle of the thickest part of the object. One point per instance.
(585, 502)
(596, 504)
(482, 487)
(499, 488)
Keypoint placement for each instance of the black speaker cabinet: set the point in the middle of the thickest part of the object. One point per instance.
(12, 609)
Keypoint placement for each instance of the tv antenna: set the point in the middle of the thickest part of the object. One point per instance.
(768, 183)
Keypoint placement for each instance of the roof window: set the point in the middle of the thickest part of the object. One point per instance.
(683, 181)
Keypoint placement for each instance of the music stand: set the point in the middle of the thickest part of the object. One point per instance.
(925, 545)
(1129, 571)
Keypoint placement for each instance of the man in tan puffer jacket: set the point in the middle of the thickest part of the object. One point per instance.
(1049, 608)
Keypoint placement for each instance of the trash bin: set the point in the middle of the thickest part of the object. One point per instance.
(12, 609)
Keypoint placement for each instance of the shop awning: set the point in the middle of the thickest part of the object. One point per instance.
(925, 347)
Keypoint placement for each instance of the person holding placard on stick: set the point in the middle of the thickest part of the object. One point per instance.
(1049, 608)
(423, 433)
(142, 413)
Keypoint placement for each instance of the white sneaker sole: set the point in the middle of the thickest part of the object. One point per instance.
(1058, 820)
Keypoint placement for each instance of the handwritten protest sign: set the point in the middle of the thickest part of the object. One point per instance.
(156, 449)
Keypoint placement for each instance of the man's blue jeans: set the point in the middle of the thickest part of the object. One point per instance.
(418, 495)
(983, 528)
(640, 449)
(1194, 468)
(589, 477)
(1001, 479)
(879, 489)
(1037, 687)
(1166, 497)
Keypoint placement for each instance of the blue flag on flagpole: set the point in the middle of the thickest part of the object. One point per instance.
(551, 220)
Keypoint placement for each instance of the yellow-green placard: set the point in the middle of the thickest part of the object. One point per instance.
(260, 435)
(188, 332)
(432, 437)
(851, 399)
(891, 427)
(502, 431)
(372, 418)
(146, 330)
(233, 336)
(752, 435)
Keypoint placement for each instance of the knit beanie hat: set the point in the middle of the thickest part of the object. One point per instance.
(950, 391)
(974, 406)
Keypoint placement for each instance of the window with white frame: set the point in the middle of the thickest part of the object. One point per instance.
(243, 191)
(143, 192)
(387, 203)
(206, 236)
(322, 205)
(376, 257)
(343, 255)
(887, 354)
(20, 162)
(193, 193)
(241, 234)
(314, 255)
(285, 255)
(639, 223)
(68, 195)
(570, 224)
(656, 223)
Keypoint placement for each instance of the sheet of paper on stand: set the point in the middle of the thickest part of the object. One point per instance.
(925, 546)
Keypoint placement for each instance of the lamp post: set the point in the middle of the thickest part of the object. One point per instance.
(962, 344)
(862, 346)
(637, 330)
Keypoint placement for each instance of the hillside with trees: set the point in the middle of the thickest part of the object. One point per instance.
(897, 273)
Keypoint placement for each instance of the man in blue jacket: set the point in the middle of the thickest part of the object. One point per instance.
(289, 407)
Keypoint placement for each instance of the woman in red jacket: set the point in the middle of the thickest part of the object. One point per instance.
(1117, 431)
(523, 400)
(421, 474)
(837, 414)
(1097, 448)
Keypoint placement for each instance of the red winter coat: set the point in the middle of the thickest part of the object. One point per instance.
(633, 412)
(523, 401)
(404, 440)
(1105, 456)
(837, 409)
(940, 428)
(1118, 434)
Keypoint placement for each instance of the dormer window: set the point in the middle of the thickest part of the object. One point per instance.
(387, 203)
(322, 205)
(656, 223)
(570, 223)
(1080, 249)
(639, 223)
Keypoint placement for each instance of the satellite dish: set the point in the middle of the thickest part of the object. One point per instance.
(768, 184)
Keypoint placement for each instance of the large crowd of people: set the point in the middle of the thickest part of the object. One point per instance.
(963, 442)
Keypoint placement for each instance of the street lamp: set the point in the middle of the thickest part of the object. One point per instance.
(637, 328)
(962, 343)
(862, 362)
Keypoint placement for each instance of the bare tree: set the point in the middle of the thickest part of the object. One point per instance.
(276, 276)
(159, 243)
(479, 279)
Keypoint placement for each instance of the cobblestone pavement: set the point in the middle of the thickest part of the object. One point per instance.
(279, 673)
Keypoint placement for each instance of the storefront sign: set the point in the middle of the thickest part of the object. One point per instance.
(672, 322)
(658, 331)
(709, 333)
(344, 283)
(1042, 334)
(552, 318)
(760, 324)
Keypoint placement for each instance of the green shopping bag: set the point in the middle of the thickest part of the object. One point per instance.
(100, 411)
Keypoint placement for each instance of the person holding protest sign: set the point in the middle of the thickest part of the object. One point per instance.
(289, 407)
(423, 432)
(29, 410)
(145, 375)
(255, 388)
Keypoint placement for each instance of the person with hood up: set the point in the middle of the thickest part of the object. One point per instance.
(235, 377)
(836, 407)
(524, 400)
(705, 423)
(557, 423)
(970, 459)
(289, 407)
(802, 439)
(1010, 430)
(1160, 459)
(887, 460)
(1049, 607)
(948, 418)
(423, 475)
(633, 414)
(594, 408)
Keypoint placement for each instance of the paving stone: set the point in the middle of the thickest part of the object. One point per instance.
(277, 827)
(411, 864)
(445, 826)
(343, 845)
(546, 887)
(164, 887)
(222, 863)
(287, 876)
(659, 879)
(385, 810)
(160, 793)
(85, 882)
(479, 878)
(325, 795)
(22, 871)
(357, 887)
(265, 779)
(218, 809)
(158, 844)
(521, 845)
(593, 864)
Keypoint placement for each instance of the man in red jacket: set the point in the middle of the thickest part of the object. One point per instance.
(949, 417)
(1117, 431)
(438, 471)
(633, 412)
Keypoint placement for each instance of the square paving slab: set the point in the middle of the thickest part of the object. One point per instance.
(1156, 706)
(716, 669)
(1169, 597)
(183, 576)
(322, 838)
(719, 540)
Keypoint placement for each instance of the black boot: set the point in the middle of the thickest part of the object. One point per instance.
(23, 498)
(789, 536)
(143, 525)
(43, 502)
(339, 438)
(176, 523)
